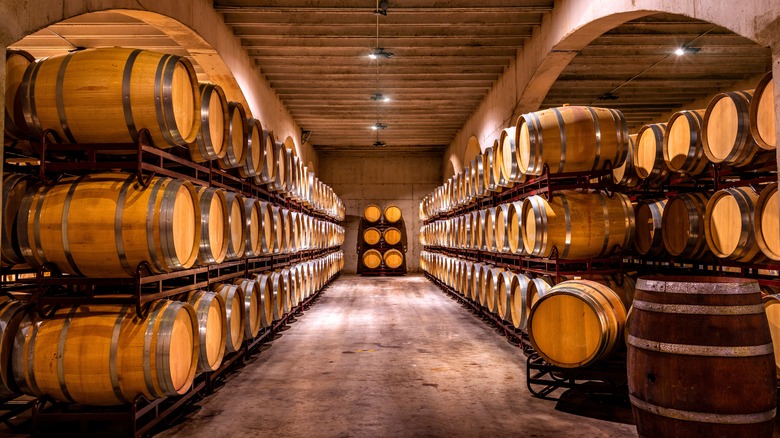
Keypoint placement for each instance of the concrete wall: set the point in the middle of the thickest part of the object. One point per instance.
(381, 178)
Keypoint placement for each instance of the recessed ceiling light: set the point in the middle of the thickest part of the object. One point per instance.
(379, 52)
(680, 51)
(378, 125)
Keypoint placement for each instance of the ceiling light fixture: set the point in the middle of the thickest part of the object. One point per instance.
(379, 97)
(686, 50)
(608, 96)
(382, 8)
(379, 52)
(378, 125)
(378, 144)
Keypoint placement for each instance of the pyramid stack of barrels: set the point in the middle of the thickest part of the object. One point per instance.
(254, 252)
(382, 241)
(698, 192)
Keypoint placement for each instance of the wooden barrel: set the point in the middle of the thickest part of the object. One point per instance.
(537, 288)
(683, 151)
(624, 286)
(289, 291)
(488, 159)
(268, 172)
(266, 298)
(392, 214)
(571, 139)
(255, 151)
(476, 281)
(762, 114)
(498, 175)
(253, 309)
(726, 129)
(253, 228)
(279, 182)
(235, 314)
(278, 293)
(372, 213)
(393, 258)
(12, 313)
(579, 225)
(16, 63)
(772, 310)
(371, 236)
(212, 140)
(507, 156)
(518, 309)
(491, 216)
(487, 291)
(15, 186)
(278, 229)
(106, 95)
(478, 176)
(267, 231)
(237, 137)
(625, 175)
(105, 355)
(649, 158)
(728, 224)
(372, 259)
(126, 225)
(648, 239)
(673, 371)
(212, 328)
(682, 225)
(501, 227)
(215, 234)
(576, 323)
(236, 224)
(767, 222)
(392, 236)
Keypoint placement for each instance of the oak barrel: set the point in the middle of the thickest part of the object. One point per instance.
(278, 293)
(236, 224)
(518, 307)
(212, 328)
(762, 114)
(393, 258)
(234, 314)
(392, 236)
(501, 228)
(268, 172)
(371, 236)
(507, 156)
(212, 140)
(649, 158)
(252, 307)
(726, 134)
(255, 151)
(700, 358)
(772, 310)
(372, 259)
(372, 213)
(767, 222)
(491, 184)
(266, 299)
(16, 63)
(392, 214)
(625, 174)
(728, 224)
(107, 95)
(237, 137)
(537, 288)
(12, 313)
(15, 186)
(682, 225)
(214, 229)
(253, 228)
(267, 234)
(648, 239)
(683, 150)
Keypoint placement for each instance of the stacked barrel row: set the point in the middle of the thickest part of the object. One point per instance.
(158, 92)
(106, 355)
(382, 241)
(553, 316)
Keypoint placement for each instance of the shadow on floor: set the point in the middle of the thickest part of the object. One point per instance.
(601, 407)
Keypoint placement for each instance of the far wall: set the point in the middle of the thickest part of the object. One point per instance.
(382, 178)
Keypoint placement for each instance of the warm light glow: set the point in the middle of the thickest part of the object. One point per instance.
(372, 56)
(387, 99)
(374, 127)
(679, 52)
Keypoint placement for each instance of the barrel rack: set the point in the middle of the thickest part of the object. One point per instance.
(382, 225)
(46, 289)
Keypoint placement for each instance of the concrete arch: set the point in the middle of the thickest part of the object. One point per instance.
(472, 149)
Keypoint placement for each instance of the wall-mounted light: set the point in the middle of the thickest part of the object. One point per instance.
(686, 50)
(379, 52)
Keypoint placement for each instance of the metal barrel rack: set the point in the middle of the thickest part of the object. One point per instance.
(382, 225)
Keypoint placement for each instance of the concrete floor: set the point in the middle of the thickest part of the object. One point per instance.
(387, 357)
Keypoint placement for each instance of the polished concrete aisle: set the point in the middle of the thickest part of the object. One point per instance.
(386, 357)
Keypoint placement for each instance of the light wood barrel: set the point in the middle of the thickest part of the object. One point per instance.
(212, 328)
(237, 225)
(237, 138)
(762, 114)
(393, 258)
(478, 176)
(576, 323)
(289, 290)
(728, 224)
(267, 231)
(726, 130)
(772, 310)
(579, 225)
(571, 139)
(476, 281)
(266, 299)
(392, 214)
(372, 213)
(683, 150)
(682, 225)
(16, 63)
(278, 229)
(767, 222)
(625, 174)
(648, 239)
(268, 172)
(279, 183)
(392, 236)
(15, 186)
(212, 140)
(624, 286)
(371, 236)
(673, 371)
(518, 309)
(278, 292)
(537, 288)
(501, 227)
(139, 89)
(234, 314)
(488, 159)
(253, 228)
(253, 309)
(507, 156)
(372, 259)
(105, 355)
(491, 216)
(214, 230)
(649, 159)
(255, 151)
(126, 225)
(12, 313)
(514, 228)
(498, 175)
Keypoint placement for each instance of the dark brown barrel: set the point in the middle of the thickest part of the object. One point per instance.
(238, 132)
(728, 224)
(11, 314)
(683, 150)
(14, 188)
(767, 222)
(648, 239)
(686, 337)
(682, 226)
(726, 129)
(762, 114)
(212, 140)
(649, 158)
(16, 63)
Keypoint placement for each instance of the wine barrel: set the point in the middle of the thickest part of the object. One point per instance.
(537, 288)
(253, 227)
(518, 308)
(268, 172)
(487, 293)
(289, 291)
(214, 229)
(372, 259)
(767, 222)
(649, 158)
(267, 232)
(237, 137)
(478, 176)
(648, 239)
(392, 214)
(501, 227)
(476, 281)
(772, 310)
(279, 183)
(234, 314)
(576, 323)
(682, 225)
(507, 156)
(726, 129)
(498, 175)
(623, 286)
(106, 95)
(392, 236)
(212, 140)
(491, 184)
(371, 236)
(16, 63)
(683, 151)
(625, 175)
(11, 314)
(255, 151)
(728, 224)
(579, 225)
(372, 213)
(393, 258)
(212, 328)
(237, 226)
(252, 306)
(514, 228)
(127, 224)
(673, 363)
(15, 186)
(491, 215)
(278, 229)
(762, 114)
(278, 293)
(571, 139)
(105, 355)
